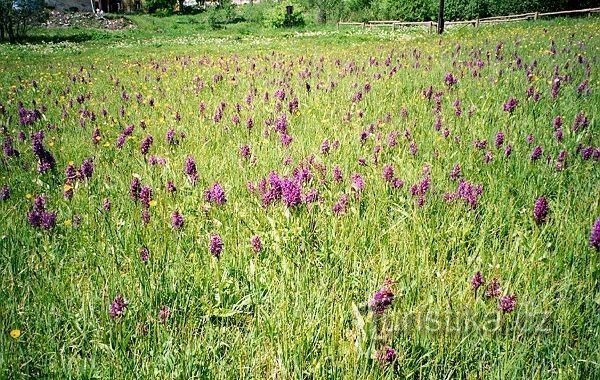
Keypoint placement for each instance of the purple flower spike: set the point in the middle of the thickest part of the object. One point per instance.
(190, 169)
(215, 194)
(477, 281)
(118, 307)
(256, 244)
(164, 314)
(144, 254)
(382, 299)
(387, 357)
(510, 105)
(4, 193)
(507, 303)
(216, 245)
(493, 289)
(540, 210)
(177, 221)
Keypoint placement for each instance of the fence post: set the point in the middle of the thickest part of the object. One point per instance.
(477, 23)
(535, 16)
(430, 26)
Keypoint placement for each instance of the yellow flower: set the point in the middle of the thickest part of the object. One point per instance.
(67, 187)
(67, 222)
(153, 203)
(28, 196)
(15, 333)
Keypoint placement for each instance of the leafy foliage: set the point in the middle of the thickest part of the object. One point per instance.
(17, 16)
(277, 15)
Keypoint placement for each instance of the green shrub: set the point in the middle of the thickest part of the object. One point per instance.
(255, 13)
(276, 16)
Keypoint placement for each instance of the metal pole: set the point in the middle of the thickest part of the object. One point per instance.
(440, 25)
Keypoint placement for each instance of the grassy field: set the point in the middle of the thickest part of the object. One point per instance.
(312, 203)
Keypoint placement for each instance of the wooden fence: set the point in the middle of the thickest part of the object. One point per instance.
(432, 26)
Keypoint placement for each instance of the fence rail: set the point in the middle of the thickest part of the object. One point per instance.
(487, 20)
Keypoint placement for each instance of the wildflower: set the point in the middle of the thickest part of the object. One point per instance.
(15, 333)
(536, 153)
(39, 217)
(106, 204)
(118, 307)
(340, 206)
(595, 235)
(456, 172)
(145, 196)
(388, 173)
(510, 105)
(387, 356)
(358, 184)
(190, 169)
(583, 88)
(87, 168)
(215, 194)
(256, 243)
(286, 139)
(397, 183)
(557, 123)
(507, 151)
(555, 87)
(493, 289)
(4, 193)
(507, 303)
(171, 137)
(499, 139)
(144, 254)
(145, 216)
(134, 188)
(291, 192)
(245, 152)
(420, 189)
(215, 245)
(96, 136)
(337, 174)
(540, 210)
(8, 148)
(164, 314)
(382, 300)
(450, 80)
(558, 134)
(477, 281)
(413, 148)
(145, 144)
(468, 192)
(581, 121)
(311, 196)
(171, 187)
(325, 147)
(561, 160)
(177, 220)
(488, 157)
(46, 160)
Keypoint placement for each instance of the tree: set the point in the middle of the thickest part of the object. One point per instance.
(325, 8)
(17, 16)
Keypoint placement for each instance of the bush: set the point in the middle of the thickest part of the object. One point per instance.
(255, 13)
(163, 7)
(277, 17)
(16, 17)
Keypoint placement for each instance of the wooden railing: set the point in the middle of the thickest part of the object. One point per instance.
(431, 25)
